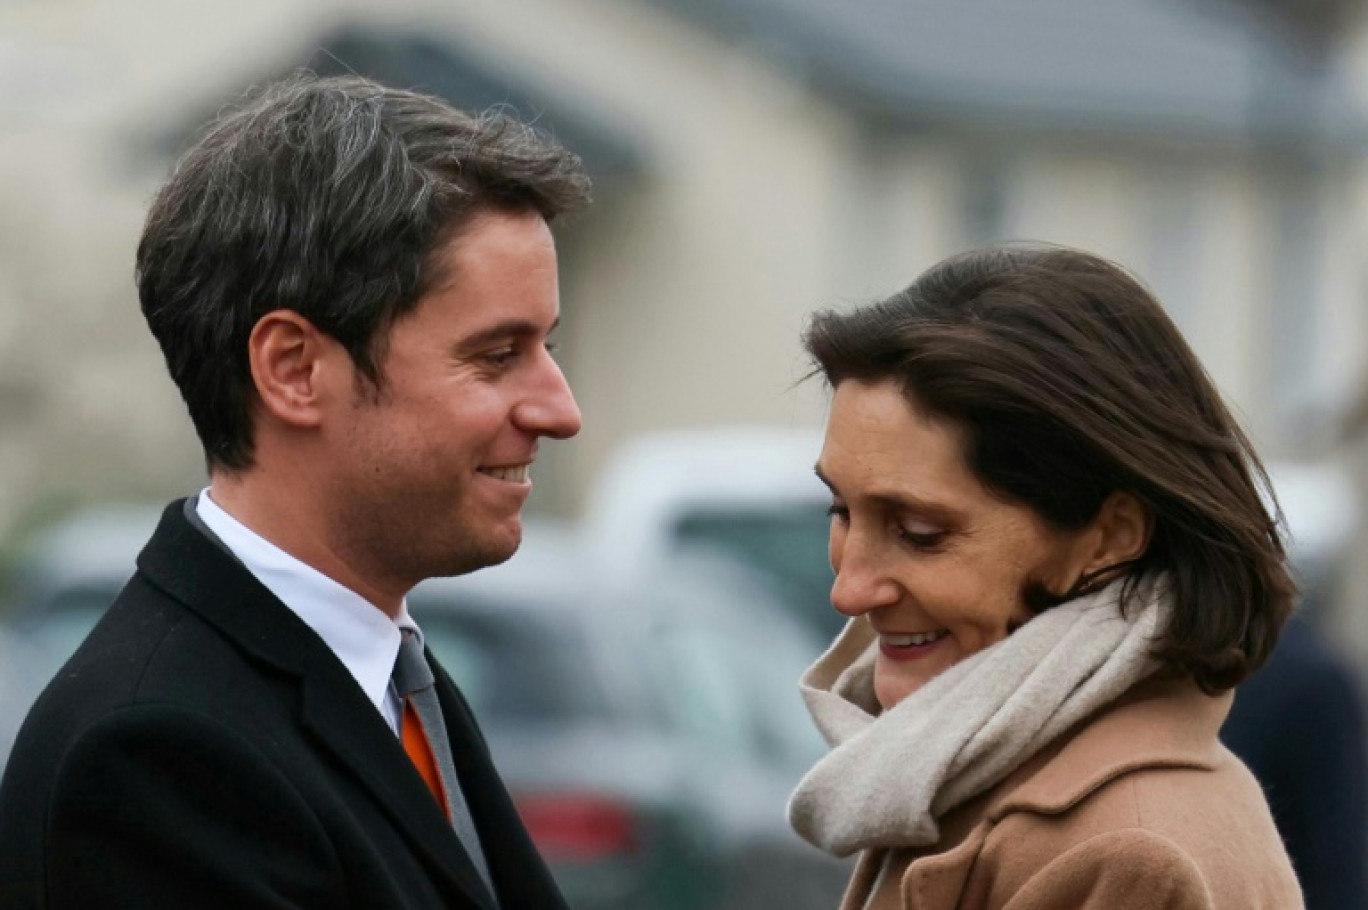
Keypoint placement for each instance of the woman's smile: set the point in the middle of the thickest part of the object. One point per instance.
(916, 646)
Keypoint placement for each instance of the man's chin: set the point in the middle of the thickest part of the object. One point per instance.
(496, 557)
(474, 555)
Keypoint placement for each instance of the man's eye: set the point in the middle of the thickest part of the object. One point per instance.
(502, 357)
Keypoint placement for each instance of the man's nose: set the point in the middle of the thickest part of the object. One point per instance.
(549, 408)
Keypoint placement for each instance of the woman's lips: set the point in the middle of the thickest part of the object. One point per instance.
(912, 647)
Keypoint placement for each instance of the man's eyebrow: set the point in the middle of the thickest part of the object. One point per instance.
(506, 330)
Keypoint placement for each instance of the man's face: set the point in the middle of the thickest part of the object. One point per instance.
(435, 469)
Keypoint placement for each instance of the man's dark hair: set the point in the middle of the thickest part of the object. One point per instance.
(331, 198)
(1069, 383)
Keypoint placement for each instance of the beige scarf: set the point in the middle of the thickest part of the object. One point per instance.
(890, 776)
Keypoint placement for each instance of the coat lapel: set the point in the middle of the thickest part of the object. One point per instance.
(939, 881)
(373, 754)
(197, 572)
(520, 875)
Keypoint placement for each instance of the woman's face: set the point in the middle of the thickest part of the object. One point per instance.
(936, 563)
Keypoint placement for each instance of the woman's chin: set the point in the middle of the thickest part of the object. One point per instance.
(890, 688)
(895, 679)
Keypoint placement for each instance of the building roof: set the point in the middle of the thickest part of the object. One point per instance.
(442, 66)
(1179, 69)
(468, 80)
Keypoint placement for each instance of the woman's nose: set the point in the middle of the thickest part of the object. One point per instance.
(861, 583)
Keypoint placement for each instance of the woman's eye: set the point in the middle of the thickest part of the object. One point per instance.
(921, 538)
(839, 512)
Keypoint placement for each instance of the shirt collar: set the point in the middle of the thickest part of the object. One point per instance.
(359, 633)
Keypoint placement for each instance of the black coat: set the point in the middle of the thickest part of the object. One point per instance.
(1299, 725)
(205, 749)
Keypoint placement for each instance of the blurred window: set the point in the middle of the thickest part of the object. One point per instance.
(52, 627)
(514, 665)
(85, 599)
(984, 203)
(787, 544)
(59, 633)
(1171, 207)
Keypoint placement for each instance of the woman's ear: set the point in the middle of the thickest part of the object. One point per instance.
(1120, 533)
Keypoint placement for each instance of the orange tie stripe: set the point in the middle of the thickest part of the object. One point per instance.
(420, 753)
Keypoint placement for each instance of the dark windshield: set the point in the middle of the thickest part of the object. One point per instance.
(787, 544)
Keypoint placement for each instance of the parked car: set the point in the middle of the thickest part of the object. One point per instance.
(15, 687)
(651, 733)
(748, 492)
(63, 581)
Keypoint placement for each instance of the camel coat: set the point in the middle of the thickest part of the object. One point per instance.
(1140, 808)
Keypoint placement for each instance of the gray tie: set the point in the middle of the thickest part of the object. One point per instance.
(413, 681)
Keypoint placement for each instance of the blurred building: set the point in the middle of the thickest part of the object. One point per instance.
(755, 160)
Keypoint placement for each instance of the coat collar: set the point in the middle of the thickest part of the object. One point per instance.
(196, 571)
(1180, 724)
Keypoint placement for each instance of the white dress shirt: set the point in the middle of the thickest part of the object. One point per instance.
(362, 636)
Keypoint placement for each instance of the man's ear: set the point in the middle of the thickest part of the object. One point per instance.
(1120, 533)
(290, 359)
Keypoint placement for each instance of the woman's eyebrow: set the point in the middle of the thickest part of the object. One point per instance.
(906, 503)
(898, 501)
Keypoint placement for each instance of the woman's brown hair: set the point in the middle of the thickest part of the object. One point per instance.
(1070, 383)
